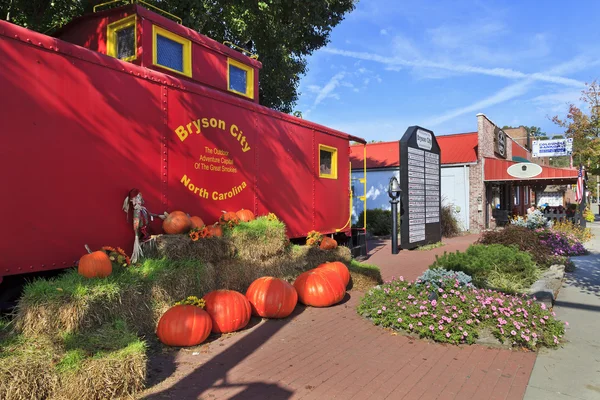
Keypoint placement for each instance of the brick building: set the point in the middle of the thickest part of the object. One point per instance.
(487, 176)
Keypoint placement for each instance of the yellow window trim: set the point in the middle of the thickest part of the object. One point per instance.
(333, 151)
(111, 36)
(187, 50)
(249, 77)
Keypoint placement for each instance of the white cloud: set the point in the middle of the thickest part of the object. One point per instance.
(461, 68)
(383, 32)
(507, 93)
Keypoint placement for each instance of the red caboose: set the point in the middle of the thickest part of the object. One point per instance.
(127, 98)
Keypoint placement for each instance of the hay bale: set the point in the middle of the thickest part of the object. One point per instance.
(26, 369)
(181, 247)
(259, 240)
(314, 256)
(119, 374)
(364, 276)
(138, 295)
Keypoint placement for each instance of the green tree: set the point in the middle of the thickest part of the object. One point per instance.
(583, 125)
(283, 33)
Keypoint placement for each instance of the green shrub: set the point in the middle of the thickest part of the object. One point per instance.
(448, 221)
(454, 314)
(494, 266)
(525, 239)
(379, 222)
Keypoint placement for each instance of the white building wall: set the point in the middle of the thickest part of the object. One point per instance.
(455, 190)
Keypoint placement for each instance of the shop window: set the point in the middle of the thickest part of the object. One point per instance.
(240, 78)
(517, 195)
(121, 39)
(327, 162)
(171, 51)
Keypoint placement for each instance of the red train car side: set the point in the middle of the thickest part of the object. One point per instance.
(81, 128)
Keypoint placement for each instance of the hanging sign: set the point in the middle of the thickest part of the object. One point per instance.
(552, 148)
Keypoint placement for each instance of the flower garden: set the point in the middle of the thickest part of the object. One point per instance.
(482, 291)
(89, 332)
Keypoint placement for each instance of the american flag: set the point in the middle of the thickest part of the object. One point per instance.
(579, 191)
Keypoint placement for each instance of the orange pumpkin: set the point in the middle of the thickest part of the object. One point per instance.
(328, 243)
(340, 268)
(320, 287)
(245, 215)
(228, 309)
(94, 264)
(184, 325)
(229, 217)
(177, 222)
(271, 297)
(197, 222)
(215, 230)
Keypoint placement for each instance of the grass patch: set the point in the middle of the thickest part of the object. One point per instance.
(455, 314)
(364, 276)
(494, 266)
(430, 246)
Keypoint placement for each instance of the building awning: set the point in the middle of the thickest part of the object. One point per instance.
(496, 170)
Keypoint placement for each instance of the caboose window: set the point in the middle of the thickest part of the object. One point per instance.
(171, 52)
(240, 78)
(327, 162)
(121, 39)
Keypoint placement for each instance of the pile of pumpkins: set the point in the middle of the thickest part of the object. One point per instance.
(178, 222)
(268, 297)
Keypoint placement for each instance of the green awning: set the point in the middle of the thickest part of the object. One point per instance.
(520, 159)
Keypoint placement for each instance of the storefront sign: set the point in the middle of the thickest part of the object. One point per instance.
(500, 142)
(552, 148)
(420, 183)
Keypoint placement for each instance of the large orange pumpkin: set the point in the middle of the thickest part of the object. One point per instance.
(328, 243)
(177, 222)
(229, 217)
(320, 287)
(340, 268)
(197, 222)
(245, 215)
(215, 230)
(184, 325)
(271, 297)
(94, 264)
(228, 309)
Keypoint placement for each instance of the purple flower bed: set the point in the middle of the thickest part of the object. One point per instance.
(561, 244)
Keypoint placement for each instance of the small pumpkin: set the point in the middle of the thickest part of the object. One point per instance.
(328, 243)
(177, 222)
(228, 309)
(94, 264)
(245, 215)
(229, 218)
(340, 268)
(320, 287)
(184, 325)
(215, 230)
(197, 222)
(271, 297)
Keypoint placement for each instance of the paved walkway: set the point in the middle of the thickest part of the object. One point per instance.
(573, 371)
(333, 353)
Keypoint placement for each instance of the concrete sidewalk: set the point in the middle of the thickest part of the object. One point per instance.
(573, 371)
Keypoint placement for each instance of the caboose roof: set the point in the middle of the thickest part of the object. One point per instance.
(164, 22)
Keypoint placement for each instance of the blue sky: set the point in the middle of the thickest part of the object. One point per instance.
(395, 63)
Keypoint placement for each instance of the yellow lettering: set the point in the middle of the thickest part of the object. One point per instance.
(233, 130)
(181, 132)
(185, 180)
(197, 125)
(205, 123)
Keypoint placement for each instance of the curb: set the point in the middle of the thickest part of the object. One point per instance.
(545, 290)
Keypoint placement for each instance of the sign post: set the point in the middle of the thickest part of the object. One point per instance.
(421, 190)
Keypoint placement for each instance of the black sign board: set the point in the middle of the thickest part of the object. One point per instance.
(421, 188)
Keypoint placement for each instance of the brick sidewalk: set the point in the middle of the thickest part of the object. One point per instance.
(333, 353)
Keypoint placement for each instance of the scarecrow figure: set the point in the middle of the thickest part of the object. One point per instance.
(141, 218)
